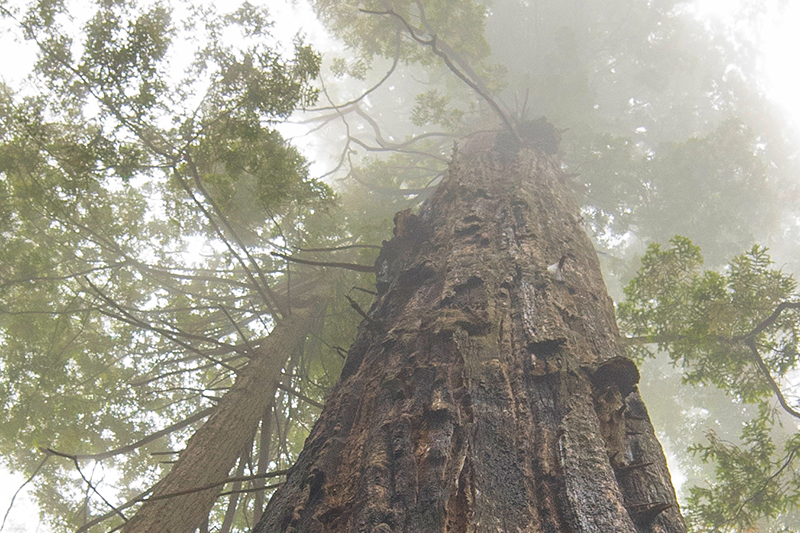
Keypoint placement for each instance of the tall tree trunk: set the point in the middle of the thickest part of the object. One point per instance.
(212, 451)
(486, 392)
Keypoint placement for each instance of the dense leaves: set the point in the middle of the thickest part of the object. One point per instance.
(706, 320)
(737, 330)
(137, 223)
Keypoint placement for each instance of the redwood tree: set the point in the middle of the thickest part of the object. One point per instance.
(487, 390)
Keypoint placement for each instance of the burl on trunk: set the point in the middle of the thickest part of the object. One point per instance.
(488, 391)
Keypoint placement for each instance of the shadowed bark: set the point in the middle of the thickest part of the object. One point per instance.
(488, 390)
(212, 451)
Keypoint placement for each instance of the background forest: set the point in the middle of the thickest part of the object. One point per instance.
(179, 182)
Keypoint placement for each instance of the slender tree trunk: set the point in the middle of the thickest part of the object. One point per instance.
(212, 451)
(233, 499)
(487, 392)
(264, 455)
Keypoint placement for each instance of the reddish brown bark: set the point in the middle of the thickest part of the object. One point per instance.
(213, 449)
(486, 392)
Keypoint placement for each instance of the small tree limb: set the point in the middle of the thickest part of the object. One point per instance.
(346, 266)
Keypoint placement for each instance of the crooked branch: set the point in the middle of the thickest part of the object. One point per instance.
(437, 49)
(138, 444)
(346, 266)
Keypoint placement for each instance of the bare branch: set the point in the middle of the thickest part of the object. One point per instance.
(751, 343)
(300, 396)
(374, 87)
(439, 50)
(346, 266)
(398, 147)
(138, 444)
(274, 473)
(338, 248)
(88, 482)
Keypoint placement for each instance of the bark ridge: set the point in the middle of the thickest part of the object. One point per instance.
(489, 390)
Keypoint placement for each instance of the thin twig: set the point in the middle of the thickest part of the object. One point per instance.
(346, 266)
(138, 444)
(88, 482)
(772, 383)
(435, 48)
(14, 497)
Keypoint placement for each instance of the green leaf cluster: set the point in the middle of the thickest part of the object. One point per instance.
(737, 330)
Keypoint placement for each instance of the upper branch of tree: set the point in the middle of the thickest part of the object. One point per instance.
(749, 339)
(346, 266)
(369, 148)
(366, 93)
(138, 444)
(769, 320)
(263, 288)
(388, 146)
(751, 343)
(440, 48)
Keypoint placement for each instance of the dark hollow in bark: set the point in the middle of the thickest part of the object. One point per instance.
(486, 392)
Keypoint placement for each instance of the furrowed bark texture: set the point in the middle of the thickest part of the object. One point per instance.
(486, 393)
(213, 449)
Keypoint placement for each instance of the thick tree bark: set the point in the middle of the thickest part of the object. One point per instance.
(213, 449)
(487, 392)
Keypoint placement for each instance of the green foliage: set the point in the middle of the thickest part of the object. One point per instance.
(112, 169)
(356, 69)
(704, 319)
(737, 330)
(431, 108)
(750, 483)
(111, 327)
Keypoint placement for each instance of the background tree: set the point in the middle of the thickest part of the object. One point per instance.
(118, 340)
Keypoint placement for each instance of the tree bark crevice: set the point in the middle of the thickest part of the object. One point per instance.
(496, 394)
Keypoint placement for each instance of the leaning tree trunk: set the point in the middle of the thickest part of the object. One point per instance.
(486, 392)
(181, 501)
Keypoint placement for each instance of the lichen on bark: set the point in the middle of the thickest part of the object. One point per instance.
(486, 393)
